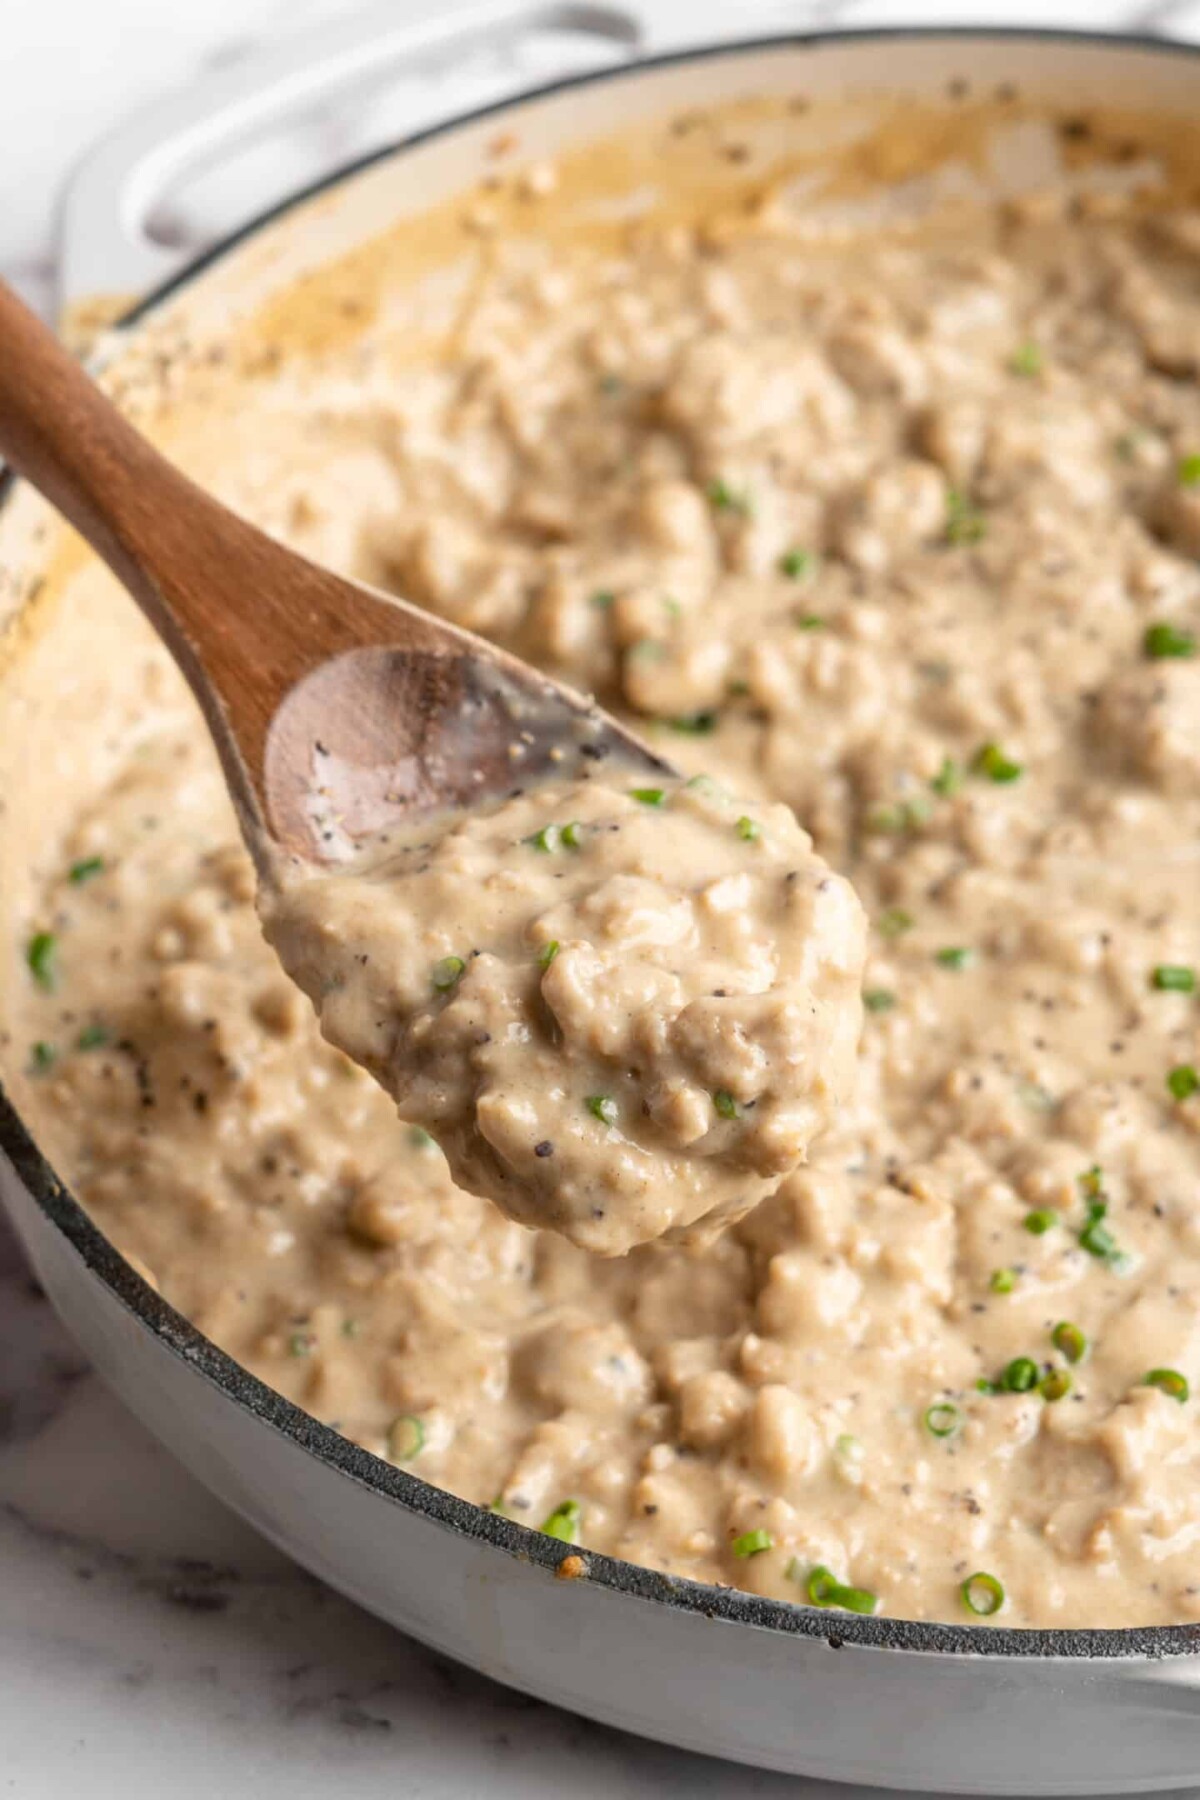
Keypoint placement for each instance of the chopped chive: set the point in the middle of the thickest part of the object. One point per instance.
(942, 1419)
(752, 1543)
(797, 564)
(42, 957)
(572, 835)
(906, 815)
(1069, 1341)
(299, 1344)
(1041, 1220)
(1054, 1385)
(948, 779)
(447, 972)
(548, 954)
(1096, 1238)
(564, 1522)
(43, 1056)
(649, 796)
(1020, 1376)
(855, 1599)
(965, 523)
(984, 1386)
(823, 1588)
(602, 599)
(991, 761)
(1162, 641)
(547, 839)
(351, 1328)
(419, 1138)
(92, 1037)
(1187, 470)
(894, 922)
(1183, 1081)
(602, 1107)
(808, 621)
(1174, 978)
(749, 829)
(1003, 1281)
(698, 724)
(982, 1594)
(878, 1000)
(85, 869)
(955, 956)
(725, 1103)
(728, 499)
(1026, 359)
(1168, 1381)
(1091, 1182)
(406, 1438)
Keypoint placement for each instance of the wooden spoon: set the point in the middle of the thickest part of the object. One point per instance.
(337, 710)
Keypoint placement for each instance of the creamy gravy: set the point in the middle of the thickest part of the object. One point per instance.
(903, 533)
(621, 1010)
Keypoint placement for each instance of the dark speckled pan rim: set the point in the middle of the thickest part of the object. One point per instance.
(188, 1344)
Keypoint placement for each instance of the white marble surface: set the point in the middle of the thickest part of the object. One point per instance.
(148, 1640)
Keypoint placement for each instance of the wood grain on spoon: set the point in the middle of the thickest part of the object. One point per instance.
(337, 711)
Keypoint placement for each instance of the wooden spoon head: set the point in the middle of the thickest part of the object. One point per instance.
(377, 737)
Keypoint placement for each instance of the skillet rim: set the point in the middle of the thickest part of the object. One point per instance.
(182, 1339)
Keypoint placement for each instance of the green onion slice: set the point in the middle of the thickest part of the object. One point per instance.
(548, 953)
(547, 839)
(752, 1543)
(602, 1107)
(1183, 1081)
(1020, 1376)
(1003, 1281)
(823, 1588)
(991, 761)
(564, 1522)
(942, 1419)
(1069, 1341)
(1173, 978)
(1168, 1381)
(42, 957)
(955, 956)
(406, 1438)
(1054, 1385)
(982, 1594)
(725, 1104)
(796, 564)
(894, 922)
(84, 870)
(1041, 1220)
(748, 829)
(1163, 641)
(878, 1000)
(649, 796)
(92, 1037)
(447, 972)
(948, 779)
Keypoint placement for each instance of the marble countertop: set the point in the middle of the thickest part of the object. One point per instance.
(147, 1636)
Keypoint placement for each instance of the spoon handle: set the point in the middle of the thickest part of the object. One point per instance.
(243, 616)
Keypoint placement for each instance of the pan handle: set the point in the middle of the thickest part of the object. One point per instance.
(106, 248)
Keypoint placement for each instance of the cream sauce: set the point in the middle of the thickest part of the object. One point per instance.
(902, 532)
(623, 1011)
